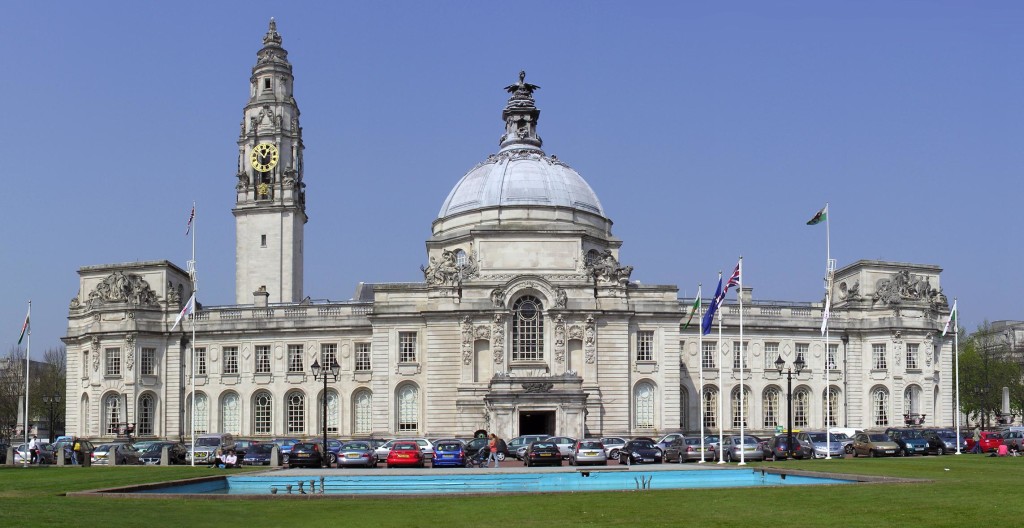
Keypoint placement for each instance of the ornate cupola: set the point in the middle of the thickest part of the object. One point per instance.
(270, 196)
(520, 116)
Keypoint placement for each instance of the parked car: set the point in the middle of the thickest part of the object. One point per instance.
(777, 448)
(258, 454)
(406, 453)
(306, 454)
(357, 453)
(743, 448)
(874, 444)
(46, 455)
(590, 452)
(208, 447)
(612, 445)
(664, 441)
(687, 448)
(910, 440)
(640, 451)
(517, 446)
(947, 437)
(1013, 439)
(153, 454)
(450, 453)
(66, 443)
(541, 453)
(564, 443)
(125, 454)
(242, 446)
(475, 444)
(990, 441)
(384, 450)
(821, 446)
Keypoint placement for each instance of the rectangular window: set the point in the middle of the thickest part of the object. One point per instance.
(328, 354)
(362, 357)
(833, 353)
(295, 358)
(263, 240)
(801, 352)
(200, 362)
(878, 357)
(266, 83)
(230, 360)
(912, 356)
(85, 364)
(645, 345)
(707, 355)
(147, 362)
(113, 361)
(738, 355)
(263, 359)
(771, 353)
(407, 347)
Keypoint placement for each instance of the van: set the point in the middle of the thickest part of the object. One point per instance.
(208, 447)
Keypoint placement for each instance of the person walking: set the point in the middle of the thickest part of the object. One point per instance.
(977, 440)
(33, 449)
(492, 446)
(74, 452)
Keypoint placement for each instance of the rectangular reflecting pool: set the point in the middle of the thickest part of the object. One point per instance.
(491, 483)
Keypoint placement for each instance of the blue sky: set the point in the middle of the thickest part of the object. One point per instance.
(708, 130)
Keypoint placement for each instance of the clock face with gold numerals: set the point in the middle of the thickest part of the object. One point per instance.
(264, 157)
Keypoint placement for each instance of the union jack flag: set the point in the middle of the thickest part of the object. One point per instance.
(734, 280)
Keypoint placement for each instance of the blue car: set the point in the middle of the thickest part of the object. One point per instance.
(449, 453)
(258, 455)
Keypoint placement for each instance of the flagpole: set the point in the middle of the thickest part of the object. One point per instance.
(195, 289)
(721, 383)
(743, 418)
(700, 369)
(828, 298)
(28, 356)
(954, 317)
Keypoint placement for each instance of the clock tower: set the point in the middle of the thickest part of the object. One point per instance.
(270, 202)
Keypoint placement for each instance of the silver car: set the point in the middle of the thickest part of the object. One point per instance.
(612, 445)
(821, 448)
(751, 449)
(588, 452)
(357, 453)
(564, 444)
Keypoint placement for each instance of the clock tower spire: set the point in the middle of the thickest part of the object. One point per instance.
(270, 195)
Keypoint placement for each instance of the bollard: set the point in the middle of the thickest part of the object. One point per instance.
(85, 458)
(165, 456)
(275, 456)
(10, 456)
(59, 456)
(112, 456)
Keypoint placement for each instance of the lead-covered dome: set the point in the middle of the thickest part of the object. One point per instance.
(521, 174)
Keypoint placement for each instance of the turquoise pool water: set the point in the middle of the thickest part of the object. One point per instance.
(497, 483)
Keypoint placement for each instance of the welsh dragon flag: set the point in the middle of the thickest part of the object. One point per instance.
(25, 327)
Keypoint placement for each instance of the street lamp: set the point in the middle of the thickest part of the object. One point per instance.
(798, 365)
(51, 403)
(329, 372)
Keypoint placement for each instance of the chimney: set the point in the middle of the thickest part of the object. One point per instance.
(260, 297)
(745, 294)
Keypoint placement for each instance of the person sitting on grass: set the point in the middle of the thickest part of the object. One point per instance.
(228, 460)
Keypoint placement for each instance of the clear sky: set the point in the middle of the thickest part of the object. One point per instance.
(708, 130)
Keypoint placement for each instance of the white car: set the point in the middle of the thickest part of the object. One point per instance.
(426, 446)
(564, 443)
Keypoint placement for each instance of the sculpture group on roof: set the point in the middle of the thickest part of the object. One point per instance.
(605, 268)
(448, 271)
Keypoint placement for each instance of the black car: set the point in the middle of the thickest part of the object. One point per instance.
(242, 446)
(777, 448)
(305, 454)
(640, 451)
(257, 455)
(154, 453)
(910, 440)
(542, 453)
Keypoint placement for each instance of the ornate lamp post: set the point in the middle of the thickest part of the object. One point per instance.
(327, 372)
(51, 403)
(798, 365)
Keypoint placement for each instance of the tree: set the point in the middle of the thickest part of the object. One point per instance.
(49, 385)
(985, 368)
(12, 389)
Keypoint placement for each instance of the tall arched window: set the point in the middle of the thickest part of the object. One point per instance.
(770, 406)
(739, 417)
(801, 407)
(332, 412)
(147, 408)
(643, 404)
(710, 397)
(362, 407)
(880, 406)
(262, 413)
(86, 426)
(202, 413)
(296, 416)
(111, 413)
(830, 407)
(408, 408)
(527, 329)
(912, 400)
(231, 413)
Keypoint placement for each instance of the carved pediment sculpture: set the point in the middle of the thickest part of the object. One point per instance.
(903, 286)
(606, 268)
(849, 292)
(447, 271)
(120, 287)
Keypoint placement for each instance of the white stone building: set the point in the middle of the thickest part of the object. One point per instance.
(526, 321)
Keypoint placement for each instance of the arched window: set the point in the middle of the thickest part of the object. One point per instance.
(460, 258)
(741, 414)
(231, 413)
(643, 404)
(408, 408)
(147, 408)
(362, 407)
(710, 397)
(527, 329)
(830, 407)
(801, 407)
(332, 412)
(111, 413)
(202, 413)
(880, 406)
(262, 413)
(770, 406)
(912, 400)
(86, 426)
(296, 415)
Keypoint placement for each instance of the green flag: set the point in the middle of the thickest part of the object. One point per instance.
(696, 306)
(819, 217)
(25, 327)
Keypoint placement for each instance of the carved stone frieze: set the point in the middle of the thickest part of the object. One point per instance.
(448, 271)
(467, 341)
(483, 332)
(538, 387)
(559, 339)
(120, 287)
(510, 276)
(903, 286)
(561, 298)
(590, 339)
(605, 268)
(498, 338)
(576, 332)
(129, 351)
(849, 292)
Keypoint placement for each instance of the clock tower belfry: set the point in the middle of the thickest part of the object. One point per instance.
(270, 203)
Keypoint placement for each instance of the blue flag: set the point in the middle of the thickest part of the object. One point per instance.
(709, 316)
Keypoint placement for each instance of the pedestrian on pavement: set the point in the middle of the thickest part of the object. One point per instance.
(977, 440)
(33, 449)
(492, 446)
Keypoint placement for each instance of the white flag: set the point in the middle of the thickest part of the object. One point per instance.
(951, 321)
(824, 316)
(189, 307)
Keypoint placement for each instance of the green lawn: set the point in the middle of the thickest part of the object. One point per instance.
(962, 490)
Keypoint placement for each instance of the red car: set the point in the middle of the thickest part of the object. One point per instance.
(405, 454)
(990, 441)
